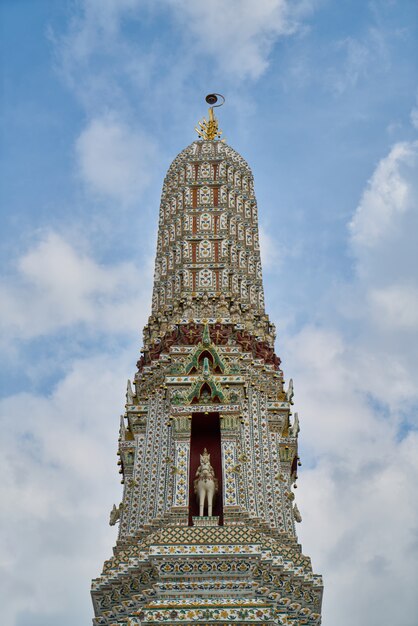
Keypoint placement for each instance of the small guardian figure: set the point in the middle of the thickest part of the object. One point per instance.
(290, 392)
(223, 307)
(295, 428)
(205, 307)
(115, 514)
(188, 306)
(235, 312)
(129, 393)
(296, 514)
(205, 484)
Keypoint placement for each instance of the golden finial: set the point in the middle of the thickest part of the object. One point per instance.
(210, 129)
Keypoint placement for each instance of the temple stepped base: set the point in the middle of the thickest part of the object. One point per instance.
(208, 575)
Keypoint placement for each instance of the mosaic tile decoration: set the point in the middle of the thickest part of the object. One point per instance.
(208, 348)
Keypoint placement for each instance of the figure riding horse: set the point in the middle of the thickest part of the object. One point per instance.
(205, 483)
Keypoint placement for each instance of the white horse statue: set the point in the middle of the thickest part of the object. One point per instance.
(205, 483)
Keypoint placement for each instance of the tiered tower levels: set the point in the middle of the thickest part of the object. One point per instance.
(208, 376)
(208, 233)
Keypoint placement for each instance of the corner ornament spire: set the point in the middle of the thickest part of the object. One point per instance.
(209, 129)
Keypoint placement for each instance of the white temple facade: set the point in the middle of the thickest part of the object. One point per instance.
(208, 444)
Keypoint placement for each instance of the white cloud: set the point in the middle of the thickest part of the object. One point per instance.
(115, 156)
(414, 117)
(345, 64)
(383, 237)
(270, 255)
(357, 397)
(396, 306)
(391, 192)
(56, 286)
(115, 159)
(59, 482)
(357, 59)
(238, 34)
(360, 517)
(354, 64)
(94, 24)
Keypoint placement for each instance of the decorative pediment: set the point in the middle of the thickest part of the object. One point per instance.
(205, 350)
(205, 391)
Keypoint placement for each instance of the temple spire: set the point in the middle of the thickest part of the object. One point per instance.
(208, 443)
(209, 129)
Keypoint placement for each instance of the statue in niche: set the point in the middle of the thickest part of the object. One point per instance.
(235, 312)
(248, 317)
(205, 484)
(205, 307)
(205, 396)
(223, 307)
(188, 306)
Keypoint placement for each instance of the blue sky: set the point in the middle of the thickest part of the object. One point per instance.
(97, 98)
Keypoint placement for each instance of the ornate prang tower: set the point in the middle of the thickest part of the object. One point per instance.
(208, 425)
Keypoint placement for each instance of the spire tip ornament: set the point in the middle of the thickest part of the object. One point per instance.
(212, 99)
(209, 129)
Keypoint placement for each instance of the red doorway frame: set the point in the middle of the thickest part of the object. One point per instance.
(205, 433)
